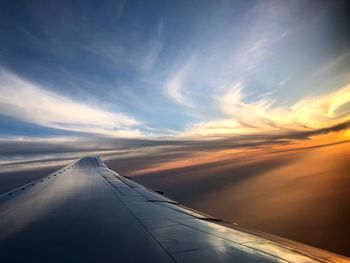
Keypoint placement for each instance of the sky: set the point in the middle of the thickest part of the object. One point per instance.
(212, 74)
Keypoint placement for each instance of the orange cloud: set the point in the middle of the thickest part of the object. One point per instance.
(263, 117)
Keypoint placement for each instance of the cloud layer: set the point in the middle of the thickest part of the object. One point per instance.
(216, 75)
(33, 103)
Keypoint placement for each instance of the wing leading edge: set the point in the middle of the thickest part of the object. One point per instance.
(88, 212)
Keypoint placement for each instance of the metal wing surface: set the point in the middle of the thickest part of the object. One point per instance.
(86, 212)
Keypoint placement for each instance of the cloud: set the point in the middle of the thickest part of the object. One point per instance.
(323, 111)
(33, 103)
(331, 65)
(156, 46)
(175, 88)
(264, 116)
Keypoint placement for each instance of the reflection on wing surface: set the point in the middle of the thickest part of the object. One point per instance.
(88, 212)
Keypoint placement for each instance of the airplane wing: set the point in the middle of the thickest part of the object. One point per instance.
(86, 212)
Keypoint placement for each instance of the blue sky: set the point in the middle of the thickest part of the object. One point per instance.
(172, 69)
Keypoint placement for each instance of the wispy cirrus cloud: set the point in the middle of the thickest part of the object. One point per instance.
(33, 103)
(176, 87)
(265, 116)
